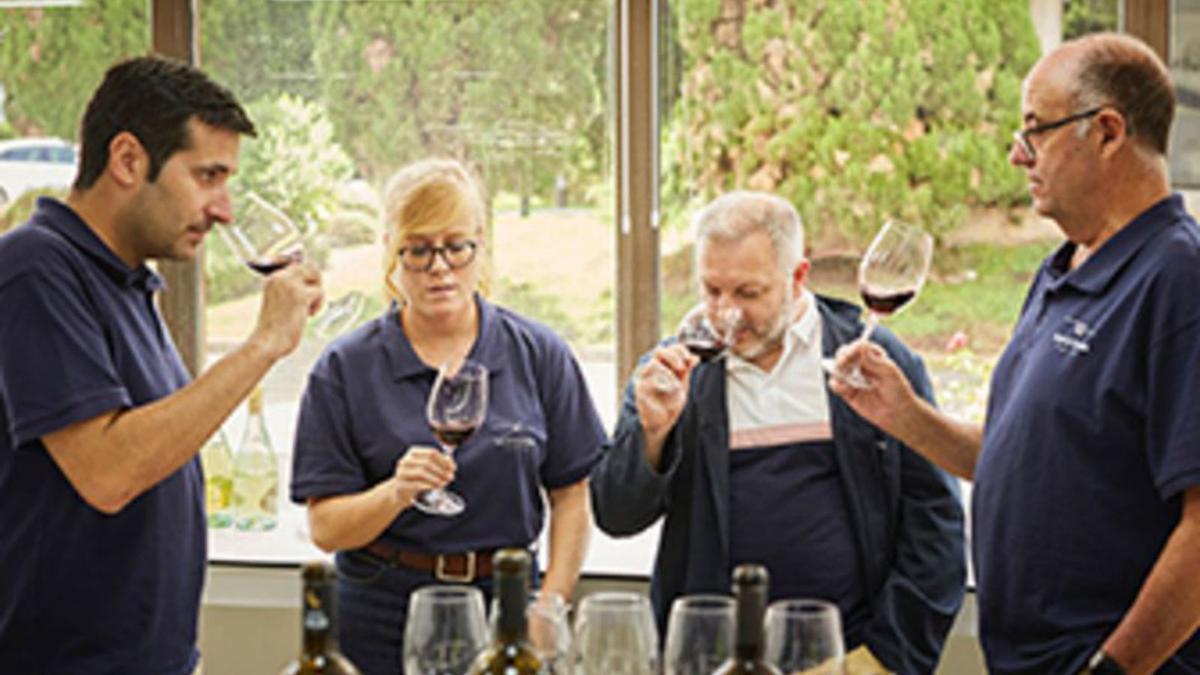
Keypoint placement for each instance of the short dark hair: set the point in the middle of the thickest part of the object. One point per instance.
(1122, 71)
(152, 98)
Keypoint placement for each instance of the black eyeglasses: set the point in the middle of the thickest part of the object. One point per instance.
(1021, 136)
(419, 258)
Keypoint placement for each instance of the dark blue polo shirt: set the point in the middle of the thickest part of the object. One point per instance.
(365, 405)
(81, 591)
(788, 512)
(1092, 434)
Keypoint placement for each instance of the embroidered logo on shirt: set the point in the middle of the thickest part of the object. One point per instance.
(1074, 336)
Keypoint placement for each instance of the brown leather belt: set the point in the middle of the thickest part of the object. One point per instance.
(460, 568)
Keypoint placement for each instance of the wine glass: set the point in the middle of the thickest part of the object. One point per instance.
(705, 338)
(615, 635)
(890, 275)
(445, 630)
(700, 634)
(804, 636)
(267, 240)
(457, 406)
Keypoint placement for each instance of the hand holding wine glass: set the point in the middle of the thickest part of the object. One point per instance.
(456, 408)
(890, 275)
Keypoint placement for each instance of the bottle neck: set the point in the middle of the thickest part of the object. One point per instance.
(751, 604)
(511, 596)
(316, 618)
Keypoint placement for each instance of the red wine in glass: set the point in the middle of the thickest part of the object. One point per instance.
(452, 435)
(886, 302)
(705, 350)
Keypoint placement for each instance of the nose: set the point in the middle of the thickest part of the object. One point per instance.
(439, 263)
(221, 208)
(1017, 154)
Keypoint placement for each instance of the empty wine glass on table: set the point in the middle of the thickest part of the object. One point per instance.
(267, 240)
(446, 628)
(700, 632)
(457, 407)
(615, 635)
(890, 275)
(805, 636)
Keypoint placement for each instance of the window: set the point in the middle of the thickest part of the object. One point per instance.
(1185, 69)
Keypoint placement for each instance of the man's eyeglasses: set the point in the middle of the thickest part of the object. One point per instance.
(1022, 136)
(419, 258)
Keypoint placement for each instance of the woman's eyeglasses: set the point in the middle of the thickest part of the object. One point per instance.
(456, 254)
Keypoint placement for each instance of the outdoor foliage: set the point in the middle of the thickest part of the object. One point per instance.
(1089, 16)
(515, 89)
(50, 59)
(854, 110)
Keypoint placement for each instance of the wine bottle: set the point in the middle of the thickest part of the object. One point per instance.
(217, 458)
(318, 653)
(510, 652)
(255, 473)
(750, 584)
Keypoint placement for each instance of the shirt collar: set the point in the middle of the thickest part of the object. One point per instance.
(404, 361)
(62, 220)
(1105, 264)
(801, 334)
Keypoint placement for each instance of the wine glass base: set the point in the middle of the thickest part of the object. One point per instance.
(440, 503)
(853, 378)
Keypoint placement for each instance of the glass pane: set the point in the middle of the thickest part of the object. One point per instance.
(1185, 69)
(346, 93)
(856, 113)
(51, 59)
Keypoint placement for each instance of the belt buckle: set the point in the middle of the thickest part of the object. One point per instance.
(464, 578)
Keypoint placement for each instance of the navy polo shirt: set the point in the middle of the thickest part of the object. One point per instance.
(85, 592)
(788, 512)
(365, 405)
(1092, 434)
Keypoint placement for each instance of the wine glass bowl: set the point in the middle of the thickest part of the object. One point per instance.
(615, 635)
(706, 338)
(804, 636)
(700, 634)
(446, 628)
(262, 235)
(457, 407)
(890, 275)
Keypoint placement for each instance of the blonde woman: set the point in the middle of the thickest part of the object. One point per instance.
(364, 451)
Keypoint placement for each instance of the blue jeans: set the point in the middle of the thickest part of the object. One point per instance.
(372, 606)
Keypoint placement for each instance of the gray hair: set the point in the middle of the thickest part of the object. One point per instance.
(1123, 72)
(735, 215)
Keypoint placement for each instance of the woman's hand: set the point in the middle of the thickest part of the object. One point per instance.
(421, 468)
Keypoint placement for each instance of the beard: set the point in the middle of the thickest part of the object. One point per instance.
(770, 338)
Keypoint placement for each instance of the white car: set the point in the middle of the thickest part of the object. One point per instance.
(28, 163)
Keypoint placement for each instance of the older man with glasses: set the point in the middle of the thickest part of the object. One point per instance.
(1087, 471)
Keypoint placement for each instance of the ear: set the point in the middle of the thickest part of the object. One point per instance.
(128, 163)
(1113, 133)
(800, 275)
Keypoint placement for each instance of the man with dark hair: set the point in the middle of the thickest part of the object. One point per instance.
(747, 459)
(102, 524)
(1086, 504)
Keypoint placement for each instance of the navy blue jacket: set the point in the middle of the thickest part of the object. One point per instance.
(907, 514)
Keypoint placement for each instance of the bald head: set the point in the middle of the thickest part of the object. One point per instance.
(1119, 71)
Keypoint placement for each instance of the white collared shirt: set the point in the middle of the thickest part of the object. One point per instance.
(789, 404)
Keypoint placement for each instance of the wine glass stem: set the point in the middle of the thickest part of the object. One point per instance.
(868, 326)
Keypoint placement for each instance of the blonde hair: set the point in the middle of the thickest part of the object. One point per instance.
(426, 197)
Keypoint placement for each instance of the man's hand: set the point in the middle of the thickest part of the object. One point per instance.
(888, 395)
(660, 391)
(289, 297)
(421, 468)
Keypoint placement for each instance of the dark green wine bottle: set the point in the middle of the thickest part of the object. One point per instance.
(750, 583)
(510, 652)
(319, 654)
